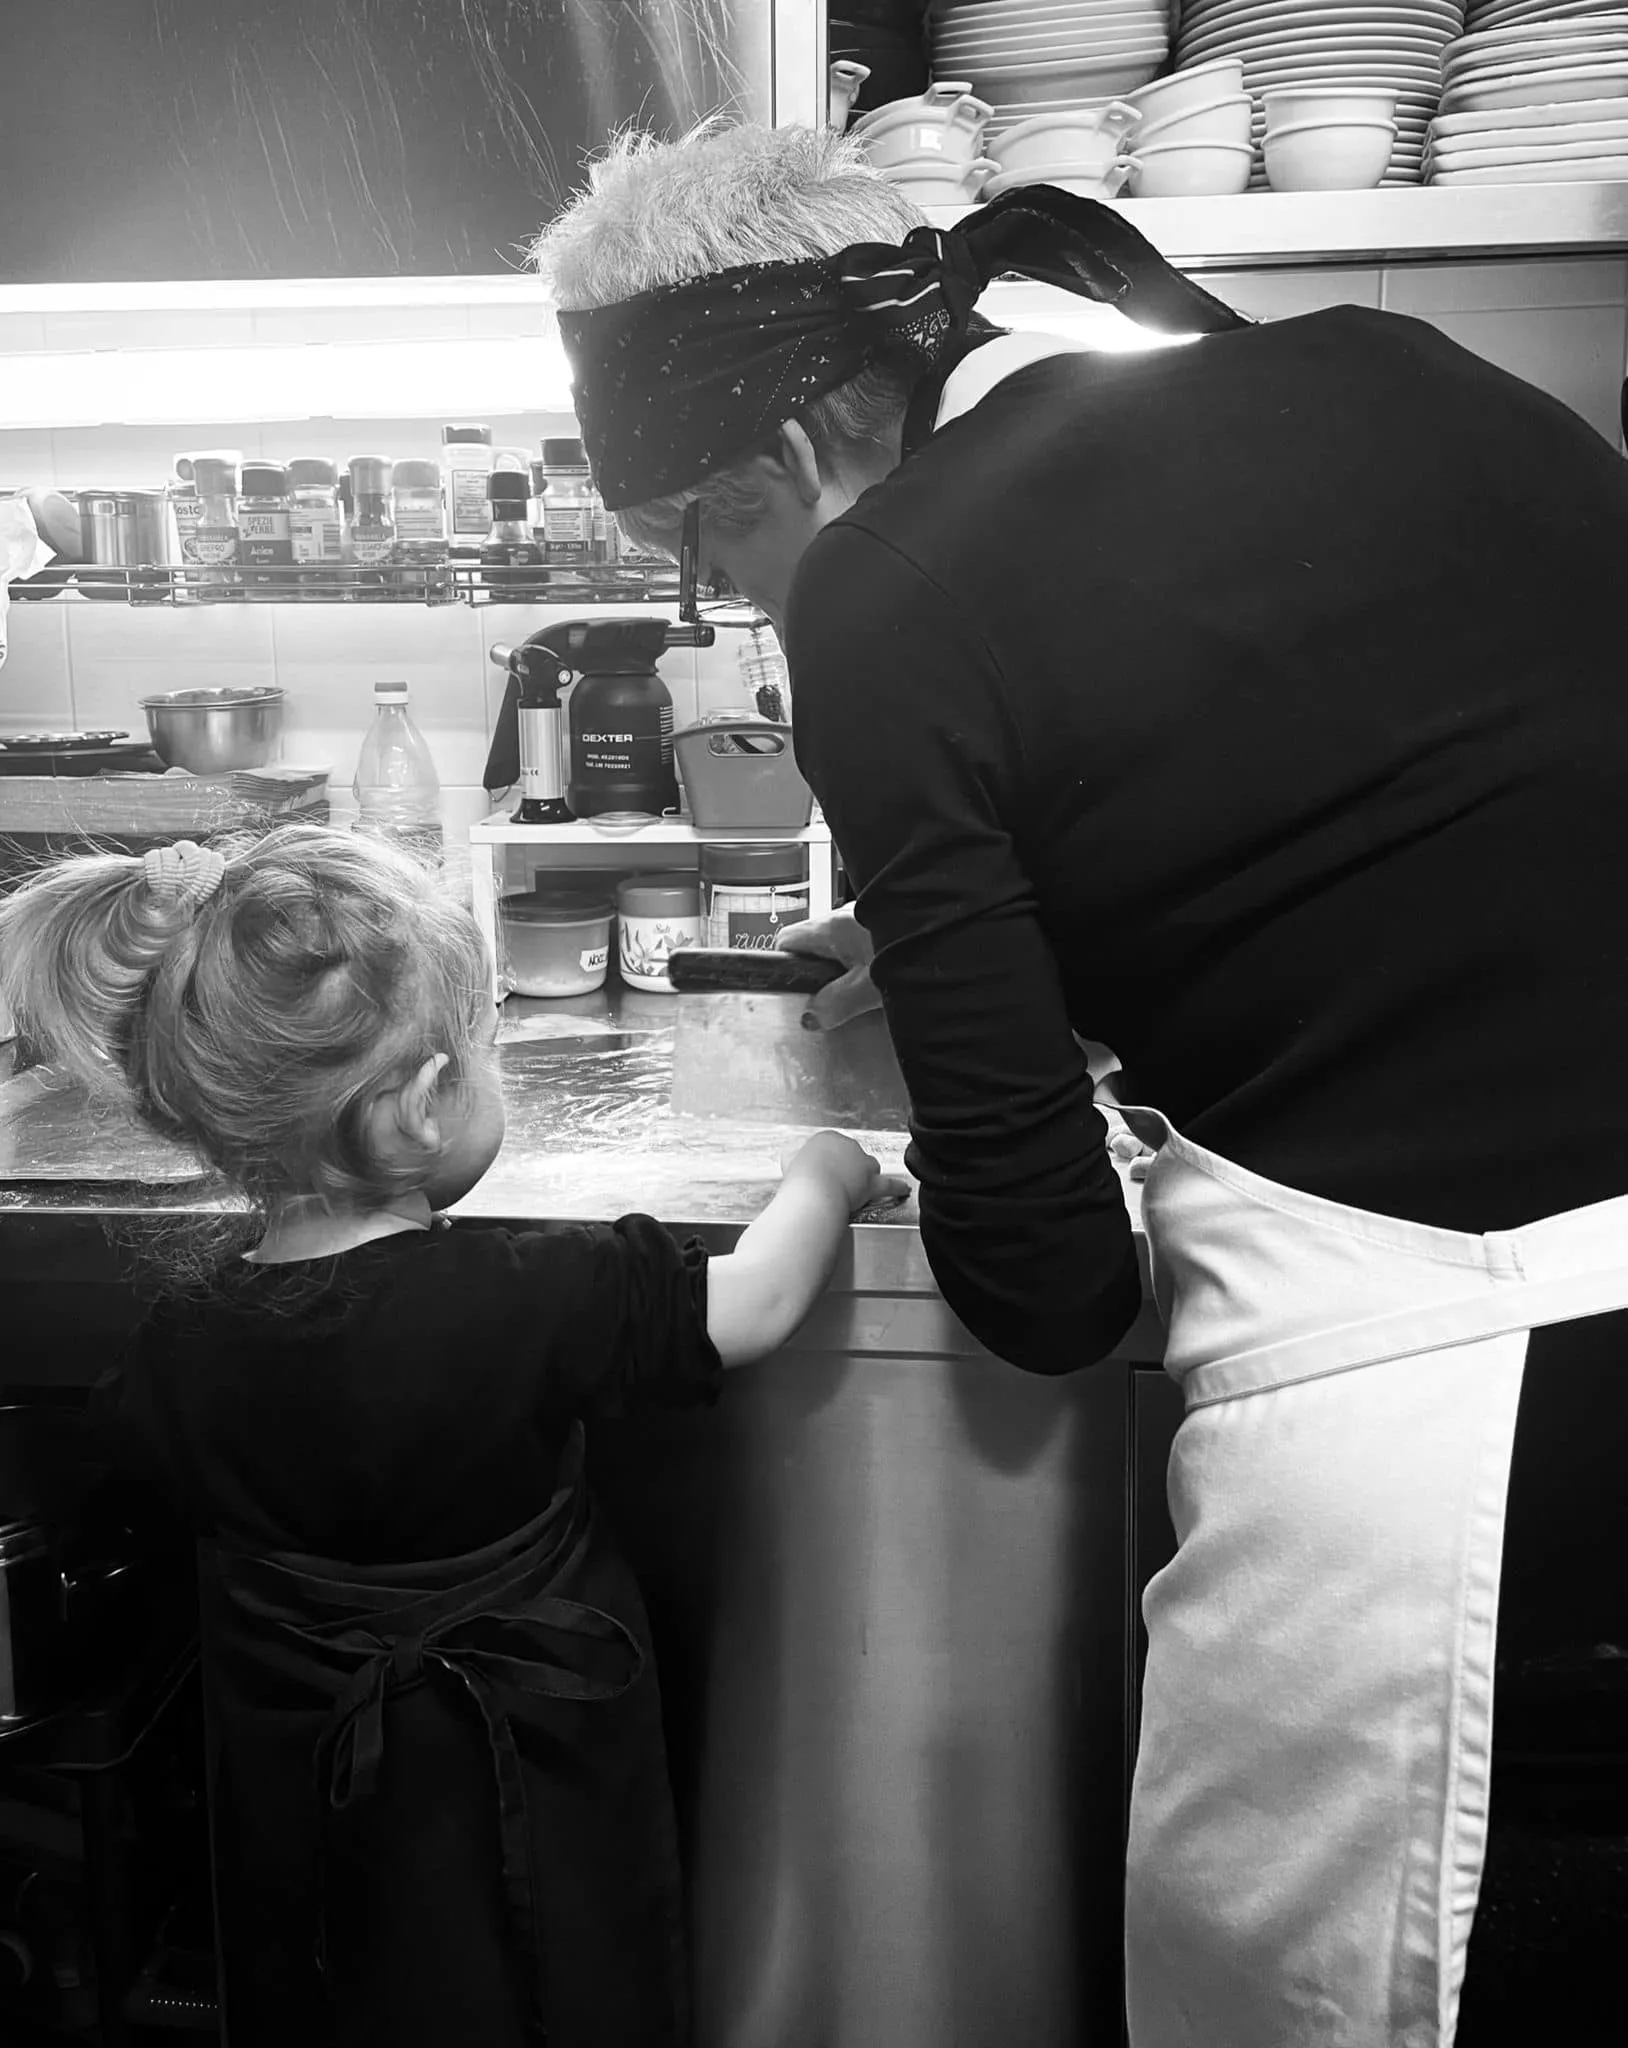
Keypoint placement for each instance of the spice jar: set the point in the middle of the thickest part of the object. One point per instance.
(466, 463)
(421, 541)
(568, 502)
(213, 531)
(315, 527)
(509, 549)
(369, 543)
(751, 893)
(265, 544)
(655, 915)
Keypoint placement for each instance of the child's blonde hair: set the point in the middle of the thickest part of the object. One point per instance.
(258, 1025)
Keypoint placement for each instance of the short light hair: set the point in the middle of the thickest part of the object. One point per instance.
(658, 213)
(259, 1029)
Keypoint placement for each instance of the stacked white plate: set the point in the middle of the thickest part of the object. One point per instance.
(1393, 46)
(1480, 14)
(1537, 102)
(1032, 56)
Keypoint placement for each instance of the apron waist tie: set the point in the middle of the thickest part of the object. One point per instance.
(500, 1651)
(1408, 1333)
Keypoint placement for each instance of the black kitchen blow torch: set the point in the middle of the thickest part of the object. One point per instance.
(527, 743)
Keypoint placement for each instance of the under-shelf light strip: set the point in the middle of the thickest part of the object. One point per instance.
(377, 379)
(357, 380)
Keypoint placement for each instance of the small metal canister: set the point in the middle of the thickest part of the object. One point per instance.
(126, 530)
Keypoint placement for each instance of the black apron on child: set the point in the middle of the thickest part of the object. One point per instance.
(439, 1799)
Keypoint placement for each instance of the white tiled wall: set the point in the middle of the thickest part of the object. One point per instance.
(1561, 324)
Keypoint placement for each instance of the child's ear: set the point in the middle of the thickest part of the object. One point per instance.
(415, 1105)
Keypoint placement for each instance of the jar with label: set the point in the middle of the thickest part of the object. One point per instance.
(214, 532)
(509, 550)
(187, 515)
(655, 915)
(751, 893)
(315, 527)
(466, 463)
(421, 541)
(568, 503)
(368, 546)
(264, 545)
(556, 942)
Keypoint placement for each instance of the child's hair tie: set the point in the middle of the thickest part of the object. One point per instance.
(185, 873)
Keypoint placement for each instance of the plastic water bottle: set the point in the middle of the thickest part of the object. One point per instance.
(398, 793)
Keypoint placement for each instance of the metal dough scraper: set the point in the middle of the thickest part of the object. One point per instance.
(741, 1053)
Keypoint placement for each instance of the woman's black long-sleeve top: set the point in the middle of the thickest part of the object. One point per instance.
(1256, 707)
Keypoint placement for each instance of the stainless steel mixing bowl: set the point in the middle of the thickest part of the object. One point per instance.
(212, 732)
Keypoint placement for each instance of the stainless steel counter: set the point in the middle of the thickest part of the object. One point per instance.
(889, 1576)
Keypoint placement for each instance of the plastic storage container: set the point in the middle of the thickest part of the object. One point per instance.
(750, 893)
(655, 915)
(556, 942)
(740, 773)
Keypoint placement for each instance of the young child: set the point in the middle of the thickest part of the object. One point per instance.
(439, 1801)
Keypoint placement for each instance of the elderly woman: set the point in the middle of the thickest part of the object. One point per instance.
(1253, 707)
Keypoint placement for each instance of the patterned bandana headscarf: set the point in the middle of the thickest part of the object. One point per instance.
(673, 384)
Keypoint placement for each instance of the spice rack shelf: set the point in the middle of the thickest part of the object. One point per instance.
(627, 847)
(466, 583)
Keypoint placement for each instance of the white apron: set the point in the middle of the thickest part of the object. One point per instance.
(1309, 1815)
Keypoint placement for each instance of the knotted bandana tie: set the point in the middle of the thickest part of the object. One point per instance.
(676, 383)
(185, 873)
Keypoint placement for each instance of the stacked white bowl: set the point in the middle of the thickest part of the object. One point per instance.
(1048, 56)
(1381, 46)
(1194, 135)
(1328, 138)
(1081, 149)
(931, 146)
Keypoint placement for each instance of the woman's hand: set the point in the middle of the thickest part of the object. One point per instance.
(842, 938)
(830, 1157)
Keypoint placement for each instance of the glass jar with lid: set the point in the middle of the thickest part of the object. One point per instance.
(315, 527)
(369, 542)
(265, 544)
(568, 502)
(751, 892)
(466, 463)
(421, 541)
(213, 532)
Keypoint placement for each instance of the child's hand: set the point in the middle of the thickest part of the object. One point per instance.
(831, 1157)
